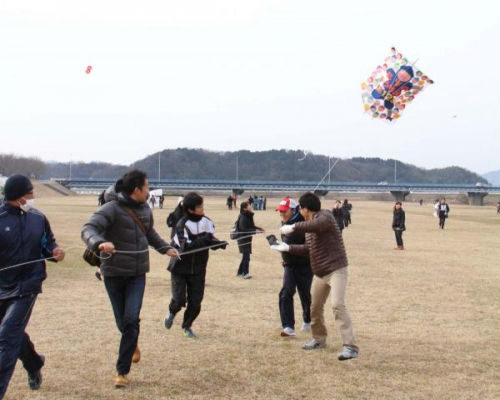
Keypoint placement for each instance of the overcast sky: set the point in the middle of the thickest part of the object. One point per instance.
(250, 74)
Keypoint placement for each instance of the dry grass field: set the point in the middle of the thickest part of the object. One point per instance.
(427, 319)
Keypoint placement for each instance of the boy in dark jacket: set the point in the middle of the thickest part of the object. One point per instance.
(25, 238)
(297, 274)
(194, 236)
(398, 225)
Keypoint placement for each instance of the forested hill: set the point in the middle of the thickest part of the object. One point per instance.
(284, 165)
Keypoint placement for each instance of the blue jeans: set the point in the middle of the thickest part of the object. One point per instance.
(14, 341)
(126, 294)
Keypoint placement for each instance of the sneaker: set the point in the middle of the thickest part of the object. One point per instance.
(306, 327)
(287, 332)
(347, 353)
(137, 355)
(189, 333)
(35, 378)
(169, 320)
(313, 345)
(247, 276)
(121, 381)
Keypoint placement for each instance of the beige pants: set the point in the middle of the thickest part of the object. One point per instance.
(336, 283)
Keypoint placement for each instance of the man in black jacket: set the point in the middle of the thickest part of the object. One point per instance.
(194, 237)
(297, 273)
(122, 230)
(247, 229)
(25, 238)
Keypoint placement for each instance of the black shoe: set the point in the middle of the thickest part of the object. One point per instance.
(169, 320)
(35, 378)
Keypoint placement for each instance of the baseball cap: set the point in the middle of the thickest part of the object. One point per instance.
(286, 204)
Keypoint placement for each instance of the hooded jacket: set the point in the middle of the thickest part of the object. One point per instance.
(24, 237)
(111, 223)
(247, 228)
(324, 244)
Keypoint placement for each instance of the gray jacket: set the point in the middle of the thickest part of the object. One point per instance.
(111, 223)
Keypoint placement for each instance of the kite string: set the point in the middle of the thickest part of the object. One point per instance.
(252, 233)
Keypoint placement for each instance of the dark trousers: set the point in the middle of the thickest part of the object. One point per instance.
(299, 278)
(244, 267)
(126, 294)
(442, 220)
(14, 341)
(399, 237)
(188, 289)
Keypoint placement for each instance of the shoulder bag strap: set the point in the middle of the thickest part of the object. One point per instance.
(134, 217)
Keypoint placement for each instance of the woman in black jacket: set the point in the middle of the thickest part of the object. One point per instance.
(246, 227)
(338, 214)
(398, 225)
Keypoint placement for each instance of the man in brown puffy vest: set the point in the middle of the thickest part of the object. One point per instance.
(325, 248)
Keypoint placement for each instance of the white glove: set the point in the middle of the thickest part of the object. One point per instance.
(286, 229)
(282, 247)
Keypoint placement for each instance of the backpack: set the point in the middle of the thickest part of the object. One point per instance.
(171, 220)
(235, 233)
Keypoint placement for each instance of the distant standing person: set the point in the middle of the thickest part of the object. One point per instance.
(162, 200)
(398, 225)
(346, 210)
(338, 215)
(175, 216)
(444, 210)
(498, 208)
(152, 202)
(265, 203)
(247, 228)
(229, 202)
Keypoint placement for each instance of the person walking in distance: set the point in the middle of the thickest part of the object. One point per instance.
(338, 214)
(443, 211)
(398, 224)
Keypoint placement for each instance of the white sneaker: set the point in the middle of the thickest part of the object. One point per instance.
(288, 332)
(306, 327)
(247, 276)
(347, 353)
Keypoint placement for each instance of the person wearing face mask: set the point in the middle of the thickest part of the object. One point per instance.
(194, 236)
(297, 273)
(122, 231)
(25, 240)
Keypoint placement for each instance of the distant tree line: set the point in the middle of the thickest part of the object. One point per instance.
(32, 167)
(285, 165)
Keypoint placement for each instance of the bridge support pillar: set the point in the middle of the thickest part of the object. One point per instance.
(238, 192)
(400, 195)
(476, 198)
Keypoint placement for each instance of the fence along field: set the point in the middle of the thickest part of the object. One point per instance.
(426, 319)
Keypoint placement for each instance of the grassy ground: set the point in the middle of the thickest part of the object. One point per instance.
(426, 319)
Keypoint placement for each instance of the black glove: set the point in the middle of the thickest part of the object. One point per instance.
(216, 243)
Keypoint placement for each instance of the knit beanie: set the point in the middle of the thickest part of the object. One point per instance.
(17, 186)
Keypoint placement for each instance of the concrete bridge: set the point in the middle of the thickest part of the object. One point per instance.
(399, 191)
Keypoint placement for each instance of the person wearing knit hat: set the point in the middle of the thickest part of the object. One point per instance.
(398, 224)
(25, 236)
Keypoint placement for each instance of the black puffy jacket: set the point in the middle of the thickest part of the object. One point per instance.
(111, 223)
(294, 238)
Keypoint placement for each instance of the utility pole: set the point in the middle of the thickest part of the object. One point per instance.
(237, 168)
(395, 176)
(159, 166)
(329, 169)
(70, 167)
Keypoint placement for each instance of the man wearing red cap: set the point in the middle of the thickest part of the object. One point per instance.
(25, 240)
(297, 274)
